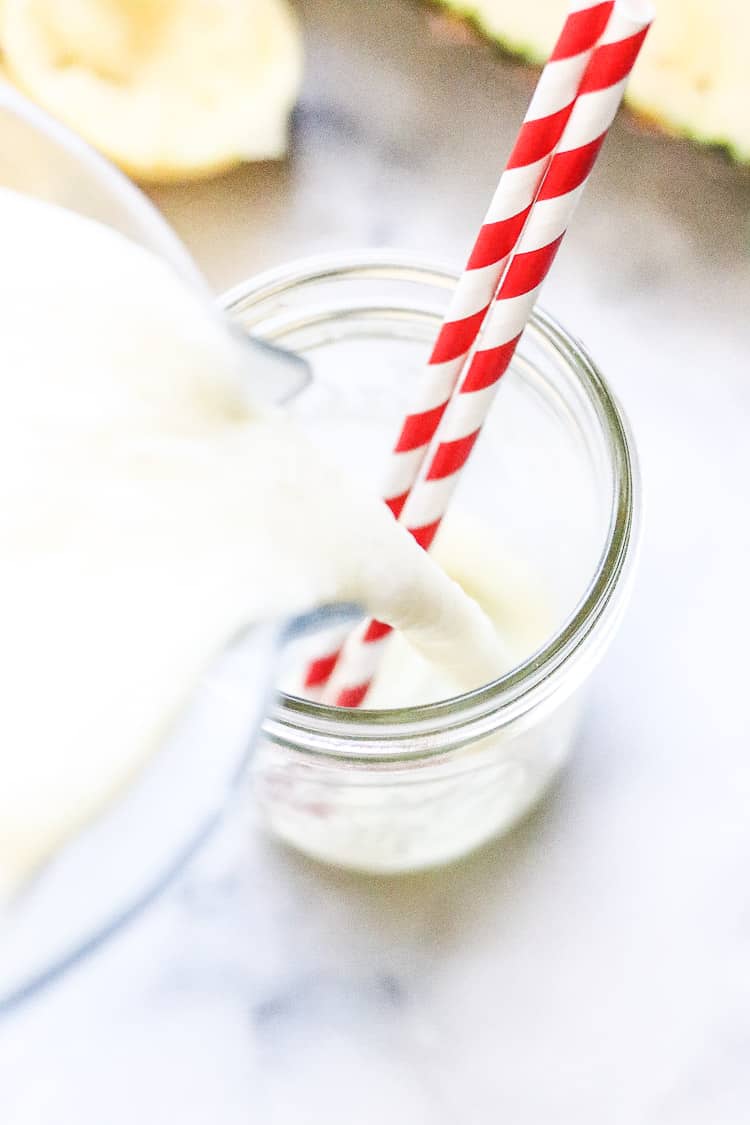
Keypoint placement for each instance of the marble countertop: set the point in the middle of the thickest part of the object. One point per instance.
(594, 966)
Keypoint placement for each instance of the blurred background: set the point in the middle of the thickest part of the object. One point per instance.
(595, 965)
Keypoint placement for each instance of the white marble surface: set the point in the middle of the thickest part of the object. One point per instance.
(595, 966)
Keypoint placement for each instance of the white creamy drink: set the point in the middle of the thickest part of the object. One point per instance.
(147, 513)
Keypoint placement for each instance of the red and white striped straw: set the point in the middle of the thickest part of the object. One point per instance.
(599, 96)
(542, 127)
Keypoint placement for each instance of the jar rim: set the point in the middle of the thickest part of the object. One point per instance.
(435, 728)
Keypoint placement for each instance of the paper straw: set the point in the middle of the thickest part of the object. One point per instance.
(542, 127)
(599, 96)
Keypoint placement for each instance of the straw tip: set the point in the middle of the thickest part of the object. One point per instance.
(639, 11)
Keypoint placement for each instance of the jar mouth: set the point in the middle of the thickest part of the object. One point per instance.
(567, 654)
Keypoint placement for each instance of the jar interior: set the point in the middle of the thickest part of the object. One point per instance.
(540, 476)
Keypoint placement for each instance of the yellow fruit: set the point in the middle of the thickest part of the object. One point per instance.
(693, 75)
(168, 89)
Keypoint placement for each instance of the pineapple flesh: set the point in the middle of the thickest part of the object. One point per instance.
(693, 74)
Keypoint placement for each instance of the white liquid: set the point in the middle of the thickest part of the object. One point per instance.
(404, 819)
(147, 512)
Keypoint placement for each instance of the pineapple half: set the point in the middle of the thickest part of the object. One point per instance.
(168, 89)
(692, 77)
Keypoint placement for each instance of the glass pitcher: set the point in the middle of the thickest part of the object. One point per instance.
(107, 873)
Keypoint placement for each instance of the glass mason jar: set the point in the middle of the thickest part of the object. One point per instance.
(553, 476)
